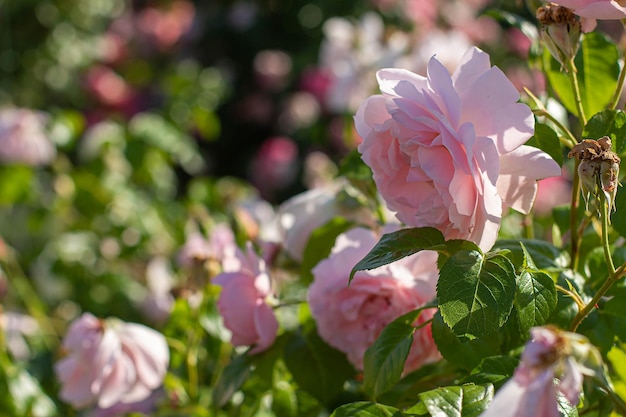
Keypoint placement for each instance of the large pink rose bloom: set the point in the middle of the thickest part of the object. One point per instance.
(448, 151)
(246, 288)
(110, 362)
(350, 318)
(590, 10)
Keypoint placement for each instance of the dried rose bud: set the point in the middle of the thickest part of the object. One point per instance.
(588, 172)
(598, 168)
(609, 172)
(560, 32)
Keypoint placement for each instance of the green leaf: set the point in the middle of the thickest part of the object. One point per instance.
(366, 409)
(400, 244)
(316, 367)
(22, 394)
(384, 360)
(618, 219)
(457, 401)
(598, 70)
(494, 369)
(462, 351)
(544, 254)
(547, 140)
(476, 293)
(611, 123)
(453, 246)
(320, 244)
(232, 378)
(536, 296)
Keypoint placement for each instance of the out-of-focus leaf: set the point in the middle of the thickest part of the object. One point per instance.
(320, 244)
(156, 131)
(232, 378)
(316, 367)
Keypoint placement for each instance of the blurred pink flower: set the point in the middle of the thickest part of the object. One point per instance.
(350, 318)
(275, 165)
(197, 248)
(553, 192)
(23, 137)
(145, 407)
(300, 215)
(592, 10)
(109, 362)
(246, 288)
(531, 391)
(108, 87)
(166, 27)
(447, 151)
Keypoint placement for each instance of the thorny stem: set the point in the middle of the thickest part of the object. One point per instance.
(614, 274)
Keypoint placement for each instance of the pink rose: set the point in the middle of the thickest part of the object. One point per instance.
(590, 10)
(350, 318)
(23, 138)
(110, 362)
(447, 151)
(246, 287)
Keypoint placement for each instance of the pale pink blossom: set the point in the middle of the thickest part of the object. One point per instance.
(532, 391)
(243, 301)
(198, 248)
(592, 10)
(109, 362)
(351, 317)
(300, 215)
(23, 137)
(448, 151)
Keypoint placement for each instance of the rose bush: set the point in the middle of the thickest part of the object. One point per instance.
(448, 151)
(350, 318)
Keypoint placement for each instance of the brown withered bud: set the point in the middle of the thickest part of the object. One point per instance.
(598, 169)
(560, 32)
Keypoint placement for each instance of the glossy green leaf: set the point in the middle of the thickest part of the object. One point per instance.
(597, 72)
(611, 123)
(536, 296)
(495, 370)
(400, 244)
(463, 352)
(384, 360)
(543, 253)
(456, 401)
(366, 409)
(476, 293)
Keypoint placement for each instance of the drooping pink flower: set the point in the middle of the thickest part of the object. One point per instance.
(109, 362)
(23, 138)
(197, 248)
(592, 10)
(246, 288)
(448, 151)
(350, 318)
(532, 391)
